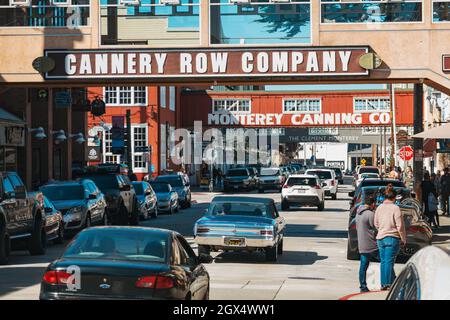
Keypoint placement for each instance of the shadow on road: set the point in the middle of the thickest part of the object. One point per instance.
(13, 279)
(287, 258)
(310, 231)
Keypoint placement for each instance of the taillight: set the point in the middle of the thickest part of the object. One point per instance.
(152, 282)
(202, 229)
(333, 182)
(317, 187)
(286, 186)
(353, 226)
(266, 232)
(417, 229)
(56, 277)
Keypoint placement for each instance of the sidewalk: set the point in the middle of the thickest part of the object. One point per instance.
(442, 235)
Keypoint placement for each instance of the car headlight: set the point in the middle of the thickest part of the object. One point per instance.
(73, 214)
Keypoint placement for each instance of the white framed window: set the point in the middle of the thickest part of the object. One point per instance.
(372, 104)
(172, 98)
(163, 147)
(125, 96)
(376, 131)
(302, 105)
(162, 97)
(231, 106)
(139, 138)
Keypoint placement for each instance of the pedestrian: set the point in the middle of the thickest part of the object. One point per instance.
(409, 177)
(433, 208)
(367, 243)
(399, 174)
(391, 235)
(445, 192)
(426, 186)
(393, 173)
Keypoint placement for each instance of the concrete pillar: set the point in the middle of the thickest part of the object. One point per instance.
(28, 141)
(204, 23)
(418, 127)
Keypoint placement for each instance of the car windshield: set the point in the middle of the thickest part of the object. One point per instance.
(174, 181)
(301, 182)
(270, 172)
(238, 209)
(369, 175)
(160, 187)
(237, 173)
(106, 181)
(110, 244)
(63, 192)
(324, 175)
(368, 170)
(338, 171)
(138, 188)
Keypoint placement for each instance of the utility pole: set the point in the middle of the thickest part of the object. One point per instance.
(393, 127)
(129, 155)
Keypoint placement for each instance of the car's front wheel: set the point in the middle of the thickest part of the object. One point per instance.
(321, 206)
(284, 205)
(155, 213)
(280, 247)
(37, 244)
(204, 249)
(5, 246)
(61, 235)
(334, 196)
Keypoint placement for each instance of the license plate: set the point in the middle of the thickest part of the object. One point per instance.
(235, 242)
(300, 191)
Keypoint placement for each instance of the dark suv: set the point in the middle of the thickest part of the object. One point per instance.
(119, 193)
(238, 178)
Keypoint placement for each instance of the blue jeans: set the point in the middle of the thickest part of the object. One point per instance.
(363, 266)
(389, 248)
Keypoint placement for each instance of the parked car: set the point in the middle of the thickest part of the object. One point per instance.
(180, 186)
(241, 224)
(376, 182)
(426, 276)
(286, 171)
(146, 200)
(364, 169)
(166, 197)
(418, 231)
(54, 224)
(328, 177)
(365, 176)
(271, 179)
(22, 217)
(127, 263)
(238, 179)
(121, 199)
(303, 190)
(81, 203)
(339, 174)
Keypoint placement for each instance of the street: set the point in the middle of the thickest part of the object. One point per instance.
(313, 265)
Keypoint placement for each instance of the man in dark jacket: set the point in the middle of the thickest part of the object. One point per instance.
(445, 191)
(367, 243)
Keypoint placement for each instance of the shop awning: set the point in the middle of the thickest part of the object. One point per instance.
(366, 152)
(442, 132)
(9, 118)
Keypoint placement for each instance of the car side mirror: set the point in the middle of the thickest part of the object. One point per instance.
(351, 194)
(20, 192)
(48, 210)
(148, 192)
(92, 196)
(205, 258)
(324, 184)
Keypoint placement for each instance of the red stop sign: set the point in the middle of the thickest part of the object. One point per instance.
(406, 153)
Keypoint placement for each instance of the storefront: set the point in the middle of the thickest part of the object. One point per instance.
(12, 137)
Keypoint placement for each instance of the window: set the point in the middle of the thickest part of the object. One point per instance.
(367, 131)
(139, 141)
(366, 11)
(8, 187)
(441, 11)
(172, 98)
(125, 96)
(45, 13)
(231, 106)
(371, 104)
(302, 105)
(150, 22)
(260, 22)
(163, 147)
(162, 97)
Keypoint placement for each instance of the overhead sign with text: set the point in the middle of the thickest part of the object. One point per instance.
(204, 63)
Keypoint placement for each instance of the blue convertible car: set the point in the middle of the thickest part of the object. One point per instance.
(241, 223)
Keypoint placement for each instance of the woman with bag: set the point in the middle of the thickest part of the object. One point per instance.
(391, 235)
(433, 216)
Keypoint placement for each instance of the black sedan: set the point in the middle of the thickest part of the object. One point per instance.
(127, 263)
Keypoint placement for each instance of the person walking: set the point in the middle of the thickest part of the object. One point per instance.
(433, 208)
(445, 192)
(367, 243)
(391, 235)
(426, 188)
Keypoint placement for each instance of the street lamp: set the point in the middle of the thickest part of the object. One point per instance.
(60, 136)
(39, 133)
(79, 137)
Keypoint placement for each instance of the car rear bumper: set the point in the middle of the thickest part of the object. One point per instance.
(303, 199)
(219, 242)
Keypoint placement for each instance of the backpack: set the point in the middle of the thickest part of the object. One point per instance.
(432, 202)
